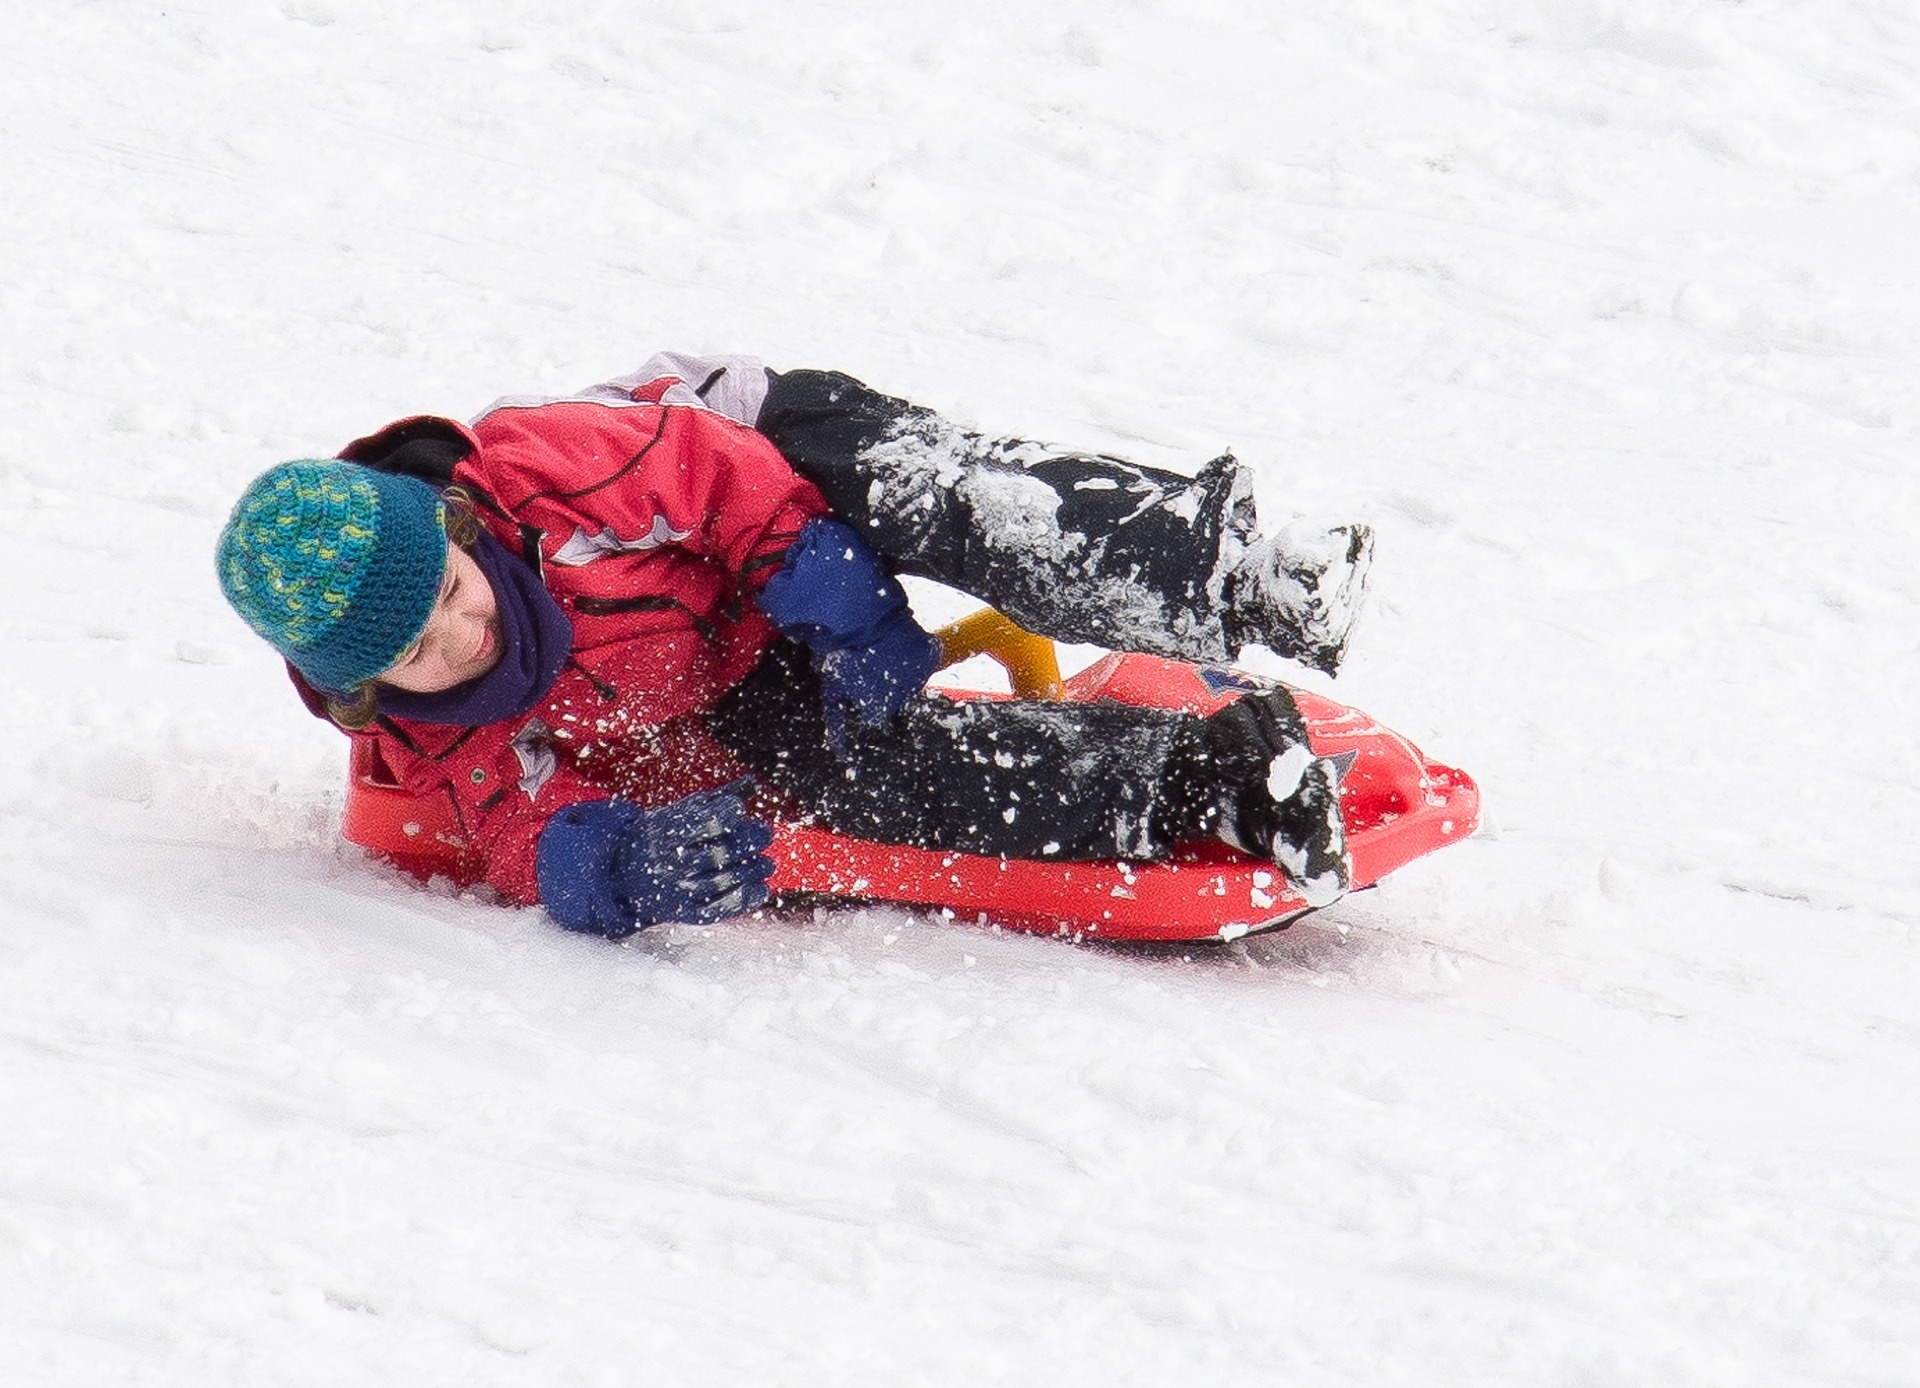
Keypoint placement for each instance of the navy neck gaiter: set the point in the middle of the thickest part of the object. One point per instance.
(535, 641)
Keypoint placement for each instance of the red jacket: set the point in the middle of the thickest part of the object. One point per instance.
(655, 524)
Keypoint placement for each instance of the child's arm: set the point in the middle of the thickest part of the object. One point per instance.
(599, 479)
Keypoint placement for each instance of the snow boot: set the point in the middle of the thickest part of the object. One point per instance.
(1299, 592)
(1278, 800)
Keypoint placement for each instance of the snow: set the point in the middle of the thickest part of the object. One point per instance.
(1603, 313)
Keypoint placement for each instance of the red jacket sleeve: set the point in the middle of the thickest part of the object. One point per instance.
(505, 783)
(589, 474)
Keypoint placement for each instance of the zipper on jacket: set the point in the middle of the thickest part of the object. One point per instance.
(607, 607)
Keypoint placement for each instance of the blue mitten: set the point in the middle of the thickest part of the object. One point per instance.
(833, 595)
(606, 867)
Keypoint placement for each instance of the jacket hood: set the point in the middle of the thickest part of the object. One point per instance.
(424, 446)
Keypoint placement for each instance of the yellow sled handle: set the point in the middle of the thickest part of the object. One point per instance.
(1031, 665)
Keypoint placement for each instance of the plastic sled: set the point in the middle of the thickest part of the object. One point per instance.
(1398, 806)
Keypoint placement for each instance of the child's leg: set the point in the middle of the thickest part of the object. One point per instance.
(1049, 780)
(1077, 546)
(1023, 779)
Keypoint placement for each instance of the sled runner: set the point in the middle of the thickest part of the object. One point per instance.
(1398, 806)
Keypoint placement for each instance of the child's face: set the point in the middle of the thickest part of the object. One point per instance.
(462, 637)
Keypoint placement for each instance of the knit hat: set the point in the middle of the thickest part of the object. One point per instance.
(336, 565)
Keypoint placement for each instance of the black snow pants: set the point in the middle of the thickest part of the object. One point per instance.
(1022, 779)
(1075, 546)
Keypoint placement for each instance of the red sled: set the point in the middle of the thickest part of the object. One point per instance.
(1398, 806)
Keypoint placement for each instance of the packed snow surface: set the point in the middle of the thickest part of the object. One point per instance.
(1602, 312)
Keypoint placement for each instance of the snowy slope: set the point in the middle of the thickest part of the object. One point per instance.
(1603, 313)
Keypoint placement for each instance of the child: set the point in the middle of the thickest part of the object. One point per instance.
(589, 617)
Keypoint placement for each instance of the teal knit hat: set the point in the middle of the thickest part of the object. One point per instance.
(336, 565)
